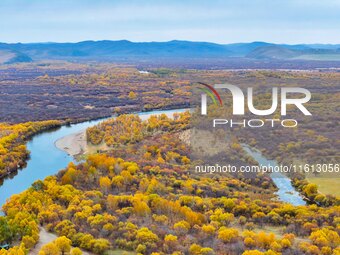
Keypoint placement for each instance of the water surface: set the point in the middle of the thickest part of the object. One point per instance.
(286, 192)
(46, 159)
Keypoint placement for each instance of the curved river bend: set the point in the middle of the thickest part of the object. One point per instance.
(46, 159)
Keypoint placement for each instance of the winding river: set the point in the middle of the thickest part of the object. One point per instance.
(286, 192)
(46, 159)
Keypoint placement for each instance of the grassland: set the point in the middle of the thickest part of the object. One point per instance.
(327, 186)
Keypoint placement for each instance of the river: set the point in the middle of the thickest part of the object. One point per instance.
(46, 159)
(286, 192)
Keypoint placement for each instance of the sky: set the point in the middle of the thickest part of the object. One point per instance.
(228, 21)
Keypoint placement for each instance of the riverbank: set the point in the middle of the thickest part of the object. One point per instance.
(73, 144)
(13, 139)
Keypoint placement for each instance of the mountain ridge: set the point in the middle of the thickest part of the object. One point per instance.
(124, 49)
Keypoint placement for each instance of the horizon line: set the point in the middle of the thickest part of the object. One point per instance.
(174, 40)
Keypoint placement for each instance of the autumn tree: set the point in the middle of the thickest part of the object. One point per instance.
(132, 95)
(49, 249)
(76, 251)
(63, 244)
(227, 235)
(147, 237)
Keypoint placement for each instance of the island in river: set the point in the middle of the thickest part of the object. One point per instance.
(76, 144)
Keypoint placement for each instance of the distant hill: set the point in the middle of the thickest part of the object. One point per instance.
(112, 49)
(11, 56)
(273, 52)
(126, 50)
(242, 49)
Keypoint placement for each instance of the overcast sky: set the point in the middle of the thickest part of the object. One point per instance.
(228, 21)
